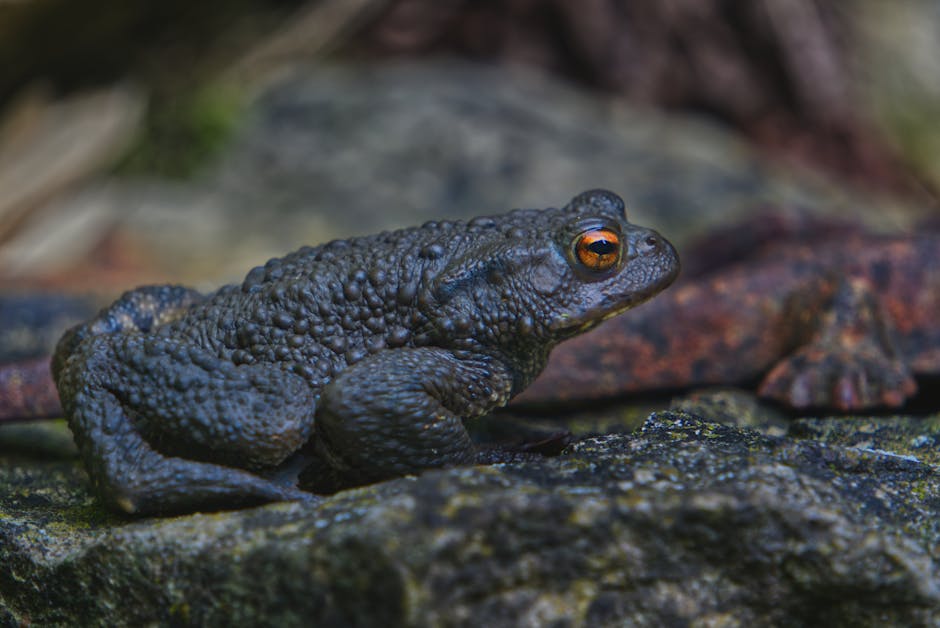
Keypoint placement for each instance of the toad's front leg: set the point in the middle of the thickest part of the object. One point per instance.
(402, 411)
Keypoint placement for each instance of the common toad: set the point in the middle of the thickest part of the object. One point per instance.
(375, 348)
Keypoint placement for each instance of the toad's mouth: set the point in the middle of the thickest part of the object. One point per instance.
(573, 324)
(569, 325)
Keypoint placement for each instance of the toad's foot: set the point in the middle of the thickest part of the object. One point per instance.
(850, 361)
(815, 376)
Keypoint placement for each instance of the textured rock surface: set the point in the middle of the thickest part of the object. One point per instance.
(682, 520)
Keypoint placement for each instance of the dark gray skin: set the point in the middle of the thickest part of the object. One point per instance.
(376, 348)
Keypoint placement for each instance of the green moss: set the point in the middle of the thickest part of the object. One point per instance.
(180, 611)
(87, 517)
(184, 133)
(911, 436)
(914, 128)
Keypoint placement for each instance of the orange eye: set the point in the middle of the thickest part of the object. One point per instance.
(598, 249)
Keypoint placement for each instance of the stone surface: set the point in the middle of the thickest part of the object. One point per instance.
(30, 325)
(32, 322)
(685, 520)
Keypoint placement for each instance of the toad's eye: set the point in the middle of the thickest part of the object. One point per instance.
(598, 249)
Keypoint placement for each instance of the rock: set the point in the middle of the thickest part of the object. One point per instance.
(30, 325)
(734, 406)
(372, 147)
(685, 520)
(32, 322)
(790, 77)
(332, 151)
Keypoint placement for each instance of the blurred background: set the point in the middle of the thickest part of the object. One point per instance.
(186, 142)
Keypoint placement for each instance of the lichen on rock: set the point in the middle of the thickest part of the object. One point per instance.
(683, 519)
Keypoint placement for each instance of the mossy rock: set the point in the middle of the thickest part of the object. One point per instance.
(683, 520)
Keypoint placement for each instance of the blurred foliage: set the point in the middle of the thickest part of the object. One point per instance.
(182, 134)
(914, 127)
(75, 45)
(782, 73)
(786, 74)
(899, 55)
(172, 49)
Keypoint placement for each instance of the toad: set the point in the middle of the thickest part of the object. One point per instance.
(370, 352)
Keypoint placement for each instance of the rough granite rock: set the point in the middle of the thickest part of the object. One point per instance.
(685, 520)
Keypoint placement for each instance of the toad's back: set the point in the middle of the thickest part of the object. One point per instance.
(322, 308)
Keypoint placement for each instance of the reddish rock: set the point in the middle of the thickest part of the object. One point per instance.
(27, 391)
(844, 322)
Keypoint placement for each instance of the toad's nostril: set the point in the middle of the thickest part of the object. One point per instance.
(650, 243)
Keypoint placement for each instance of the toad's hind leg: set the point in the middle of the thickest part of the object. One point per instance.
(138, 310)
(130, 476)
(153, 425)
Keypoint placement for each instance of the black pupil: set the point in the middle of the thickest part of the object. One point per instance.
(602, 247)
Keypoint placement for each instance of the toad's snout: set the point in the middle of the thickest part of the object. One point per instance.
(646, 246)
